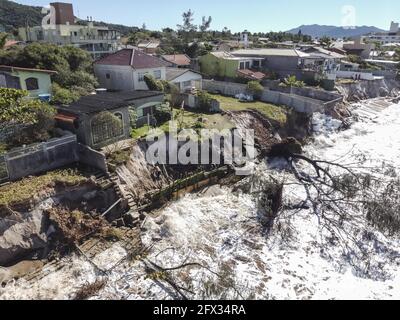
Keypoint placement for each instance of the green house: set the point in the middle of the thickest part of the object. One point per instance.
(219, 64)
(36, 81)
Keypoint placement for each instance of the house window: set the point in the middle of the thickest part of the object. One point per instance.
(32, 84)
(141, 76)
(157, 74)
(108, 76)
(248, 65)
(187, 84)
(242, 65)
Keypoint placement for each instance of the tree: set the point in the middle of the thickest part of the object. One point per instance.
(73, 65)
(325, 41)
(205, 25)
(3, 40)
(187, 28)
(255, 89)
(292, 82)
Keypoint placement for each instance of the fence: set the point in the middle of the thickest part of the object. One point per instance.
(297, 102)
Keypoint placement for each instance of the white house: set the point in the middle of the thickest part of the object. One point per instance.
(185, 78)
(125, 70)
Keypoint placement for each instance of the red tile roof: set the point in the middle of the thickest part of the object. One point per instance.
(246, 73)
(134, 58)
(178, 59)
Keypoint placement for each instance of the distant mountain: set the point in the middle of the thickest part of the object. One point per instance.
(14, 15)
(318, 31)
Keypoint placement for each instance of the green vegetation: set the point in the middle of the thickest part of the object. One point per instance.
(63, 96)
(140, 132)
(255, 89)
(152, 83)
(205, 101)
(17, 15)
(32, 120)
(270, 111)
(3, 39)
(27, 189)
(292, 82)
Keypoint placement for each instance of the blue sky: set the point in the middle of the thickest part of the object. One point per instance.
(253, 15)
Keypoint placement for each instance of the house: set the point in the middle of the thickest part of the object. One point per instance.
(177, 60)
(358, 48)
(125, 70)
(185, 78)
(283, 62)
(390, 37)
(86, 119)
(149, 47)
(227, 65)
(36, 81)
(60, 27)
(286, 62)
(326, 63)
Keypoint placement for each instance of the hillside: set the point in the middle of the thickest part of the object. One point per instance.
(318, 31)
(14, 15)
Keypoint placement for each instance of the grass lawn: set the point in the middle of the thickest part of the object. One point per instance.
(210, 121)
(270, 111)
(25, 190)
(140, 132)
(189, 120)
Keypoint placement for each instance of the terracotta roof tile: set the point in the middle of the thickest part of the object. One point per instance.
(134, 58)
(178, 59)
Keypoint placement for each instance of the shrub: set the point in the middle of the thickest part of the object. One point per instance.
(162, 115)
(152, 83)
(205, 101)
(255, 89)
(32, 119)
(62, 95)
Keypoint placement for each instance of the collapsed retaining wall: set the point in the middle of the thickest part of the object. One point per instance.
(299, 103)
(362, 90)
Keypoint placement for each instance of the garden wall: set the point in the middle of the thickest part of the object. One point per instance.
(47, 156)
(299, 103)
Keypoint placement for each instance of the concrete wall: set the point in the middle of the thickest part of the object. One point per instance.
(354, 74)
(42, 157)
(121, 77)
(299, 103)
(47, 156)
(91, 157)
(308, 92)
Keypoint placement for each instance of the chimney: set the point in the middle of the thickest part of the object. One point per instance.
(64, 13)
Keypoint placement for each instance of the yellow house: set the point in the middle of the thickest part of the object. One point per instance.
(36, 81)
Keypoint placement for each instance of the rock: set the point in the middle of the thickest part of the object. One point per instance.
(19, 270)
(286, 148)
(23, 237)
